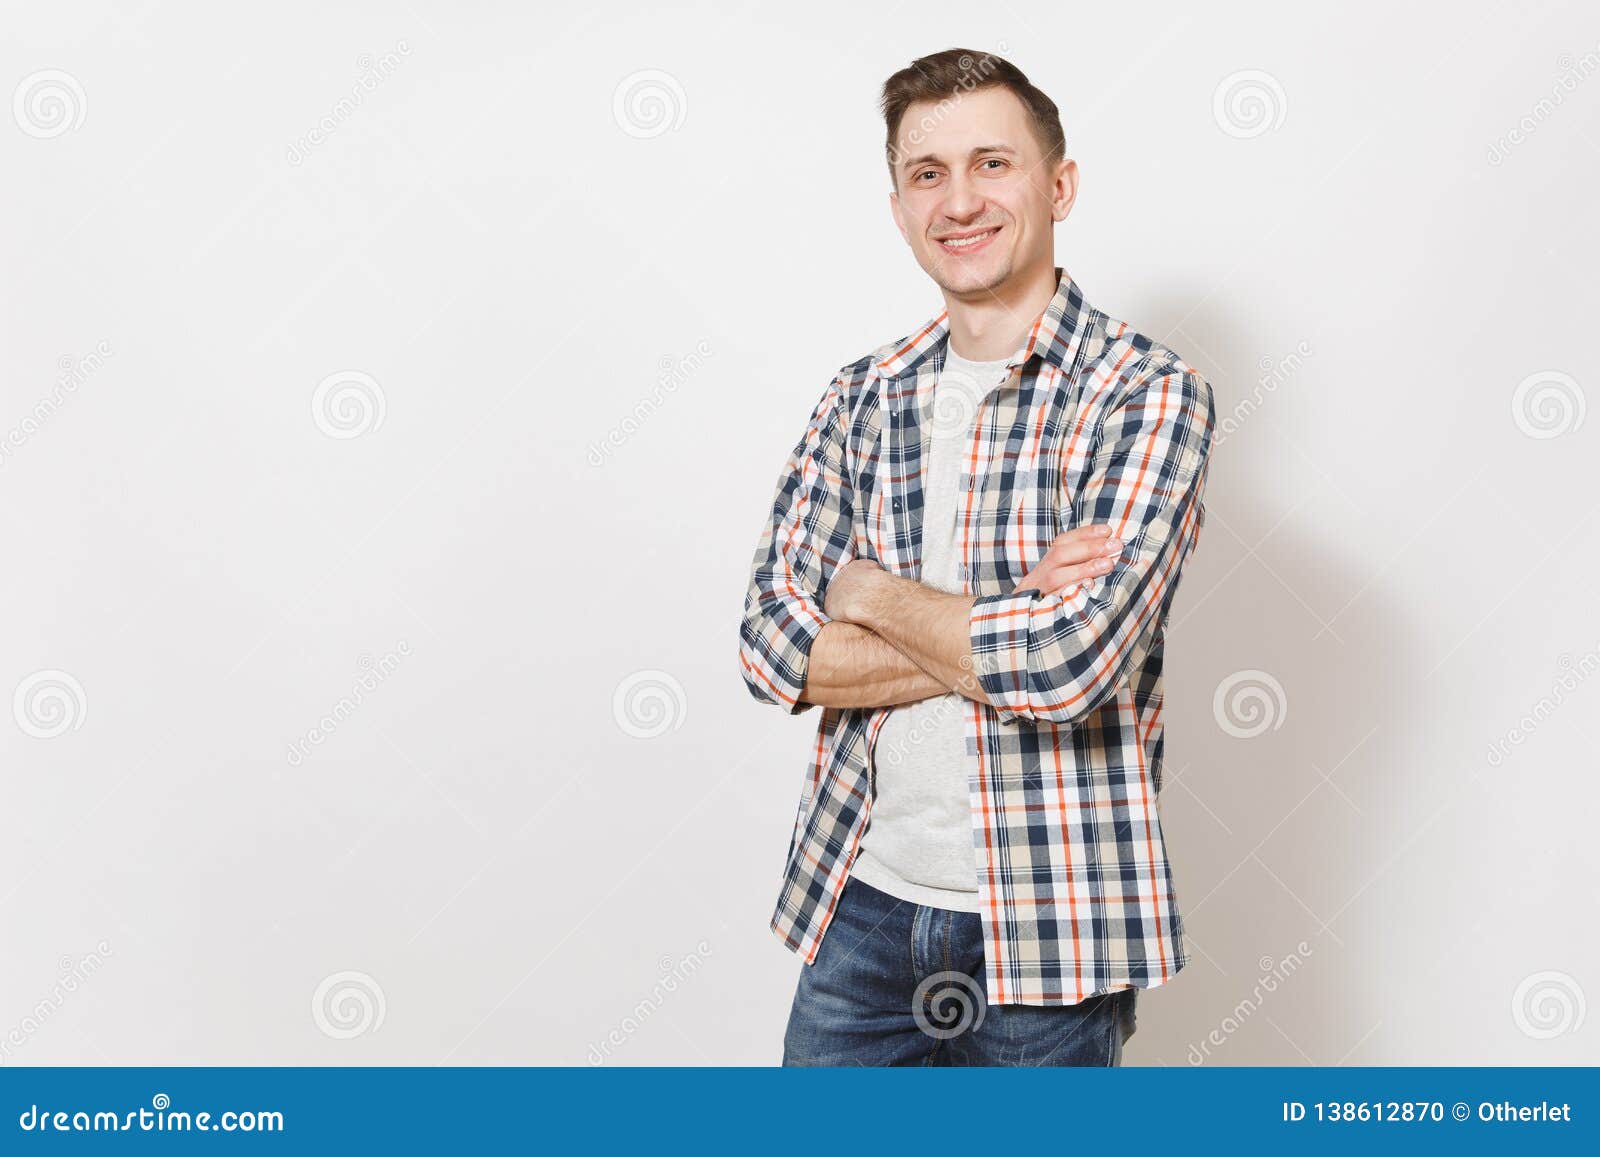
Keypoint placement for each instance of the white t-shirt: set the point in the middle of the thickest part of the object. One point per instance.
(918, 845)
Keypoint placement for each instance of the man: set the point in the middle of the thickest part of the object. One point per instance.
(969, 561)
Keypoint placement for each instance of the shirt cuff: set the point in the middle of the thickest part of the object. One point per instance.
(998, 630)
(801, 663)
(777, 654)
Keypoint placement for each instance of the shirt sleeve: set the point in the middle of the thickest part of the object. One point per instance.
(1058, 657)
(807, 538)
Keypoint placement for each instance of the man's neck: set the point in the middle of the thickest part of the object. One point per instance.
(993, 324)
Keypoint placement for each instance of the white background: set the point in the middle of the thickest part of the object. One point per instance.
(512, 256)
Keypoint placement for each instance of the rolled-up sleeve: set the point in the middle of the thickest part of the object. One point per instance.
(808, 536)
(1057, 657)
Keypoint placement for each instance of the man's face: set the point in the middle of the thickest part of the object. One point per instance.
(975, 200)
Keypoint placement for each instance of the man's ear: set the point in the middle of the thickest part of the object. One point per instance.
(1064, 191)
(899, 216)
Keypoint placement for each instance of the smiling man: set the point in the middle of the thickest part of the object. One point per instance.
(968, 564)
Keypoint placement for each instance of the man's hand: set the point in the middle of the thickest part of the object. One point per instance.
(930, 628)
(1075, 556)
(849, 587)
(1082, 553)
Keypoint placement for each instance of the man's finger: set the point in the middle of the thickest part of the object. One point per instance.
(1069, 577)
(1088, 530)
(1083, 548)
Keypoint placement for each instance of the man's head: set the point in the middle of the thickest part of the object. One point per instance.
(979, 170)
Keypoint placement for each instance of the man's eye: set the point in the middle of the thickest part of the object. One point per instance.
(926, 173)
(994, 161)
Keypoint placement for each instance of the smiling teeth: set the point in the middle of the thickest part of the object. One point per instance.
(963, 242)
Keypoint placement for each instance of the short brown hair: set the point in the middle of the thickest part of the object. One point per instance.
(947, 76)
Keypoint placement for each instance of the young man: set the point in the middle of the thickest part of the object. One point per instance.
(970, 558)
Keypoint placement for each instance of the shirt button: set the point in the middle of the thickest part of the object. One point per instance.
(962, 571)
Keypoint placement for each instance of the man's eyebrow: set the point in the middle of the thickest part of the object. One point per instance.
(933, 158)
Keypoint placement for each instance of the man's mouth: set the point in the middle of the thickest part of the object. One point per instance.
(967, 242)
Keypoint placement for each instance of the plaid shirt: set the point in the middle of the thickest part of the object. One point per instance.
(1101, 425)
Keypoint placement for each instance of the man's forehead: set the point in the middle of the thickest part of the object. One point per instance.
(962, 122)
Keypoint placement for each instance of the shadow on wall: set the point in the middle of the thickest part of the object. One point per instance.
(1283, 667)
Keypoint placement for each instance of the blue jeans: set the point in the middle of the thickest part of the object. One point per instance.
(897, 983)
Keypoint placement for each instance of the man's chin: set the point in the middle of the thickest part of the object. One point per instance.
(961, 280)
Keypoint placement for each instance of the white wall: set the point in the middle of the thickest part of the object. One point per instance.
(512, 872)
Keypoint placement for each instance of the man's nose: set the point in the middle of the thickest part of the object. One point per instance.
(962, 200)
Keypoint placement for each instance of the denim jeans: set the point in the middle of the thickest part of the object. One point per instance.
(897, 983)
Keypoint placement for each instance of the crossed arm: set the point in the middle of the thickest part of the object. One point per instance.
(853, 666)
(822, 626)
(891, 640)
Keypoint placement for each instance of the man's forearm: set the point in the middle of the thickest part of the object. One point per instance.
(850, 666)
(928, 626)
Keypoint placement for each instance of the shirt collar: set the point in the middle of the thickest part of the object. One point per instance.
(1056, 336)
